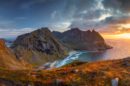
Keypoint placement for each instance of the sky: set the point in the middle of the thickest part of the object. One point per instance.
(22, 16)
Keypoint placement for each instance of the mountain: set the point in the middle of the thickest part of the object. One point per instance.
(38, 47)
(82, 40)
(8, 59)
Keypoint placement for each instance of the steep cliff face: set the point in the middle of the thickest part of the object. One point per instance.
(8, 59)
(38, 47)
(82, 40)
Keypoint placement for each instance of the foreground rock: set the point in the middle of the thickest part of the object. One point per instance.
(82, 40)
(115, 81)
(8, 59)
(38, 47)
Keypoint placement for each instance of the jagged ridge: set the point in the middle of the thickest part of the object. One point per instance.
(82, 40)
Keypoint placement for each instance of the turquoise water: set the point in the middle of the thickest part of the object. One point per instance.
(85, 56)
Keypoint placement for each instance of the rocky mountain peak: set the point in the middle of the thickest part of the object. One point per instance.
(83, 40)
(40, 45)
(75, 29)
(43, 31)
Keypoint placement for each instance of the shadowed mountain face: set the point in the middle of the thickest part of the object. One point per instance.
(82, 40)
(38, 47)
(8, 59)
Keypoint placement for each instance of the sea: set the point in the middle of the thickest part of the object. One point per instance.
(120, 50)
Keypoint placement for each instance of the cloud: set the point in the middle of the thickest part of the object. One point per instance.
(29, 3)
(117, 5)
(10, 33)
(74, 7)
(20, 18)
(109, 15)
(60, 26)
(64, 14)
(89, 15)
(54, 14)
(4, 24)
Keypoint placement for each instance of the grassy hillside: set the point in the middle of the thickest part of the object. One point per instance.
(8, 60)
(76, 74)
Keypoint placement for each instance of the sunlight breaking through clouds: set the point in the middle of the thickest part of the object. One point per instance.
(117, 36)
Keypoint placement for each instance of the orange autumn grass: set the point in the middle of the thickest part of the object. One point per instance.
(76, 74)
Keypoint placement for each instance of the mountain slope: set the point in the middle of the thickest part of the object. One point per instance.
(38, 47)
(82, 40)
(8, 59)
(101, 73)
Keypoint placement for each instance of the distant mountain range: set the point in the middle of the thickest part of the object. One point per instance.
(42, 45)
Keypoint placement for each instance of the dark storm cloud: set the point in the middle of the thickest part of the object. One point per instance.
(84, 13)
(30, 12)
(61, 14)
(121, 5)
(75, 7)
(76, 10)
(116, 12)
(120, 10)
(117, 20)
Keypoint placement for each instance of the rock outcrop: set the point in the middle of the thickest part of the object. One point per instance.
(38, 47)
(82, 40)
(8, 59)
